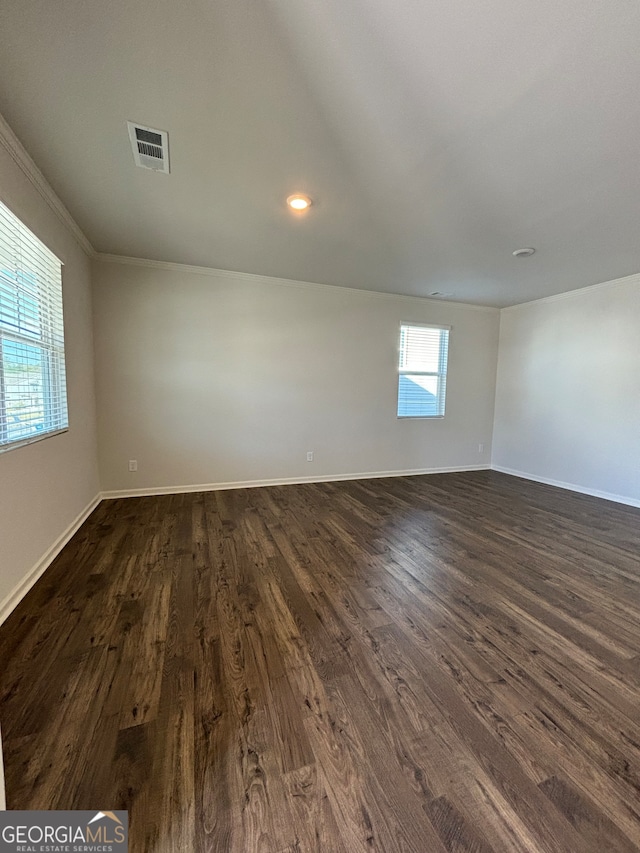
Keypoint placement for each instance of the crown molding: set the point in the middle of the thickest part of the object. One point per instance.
(254, 278)
(580, 291)
(21, 158)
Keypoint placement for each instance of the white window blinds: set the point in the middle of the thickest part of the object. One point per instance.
(422, 371)
(33, 390)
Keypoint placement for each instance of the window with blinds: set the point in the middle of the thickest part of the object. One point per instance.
(422, 371)
(33, 388)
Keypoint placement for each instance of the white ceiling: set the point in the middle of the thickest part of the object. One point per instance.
(434, 137)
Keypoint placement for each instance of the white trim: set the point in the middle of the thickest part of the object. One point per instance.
(23, 442)
(22, 588)
(572, 487)
(616, 282)
(286, 481)
(253, 278)
(3, 796)
(429, 325)
(17, 152)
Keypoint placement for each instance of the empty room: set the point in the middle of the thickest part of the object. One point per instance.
(319, 426)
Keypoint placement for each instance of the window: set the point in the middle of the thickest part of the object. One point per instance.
(33, 390)
(422, 371)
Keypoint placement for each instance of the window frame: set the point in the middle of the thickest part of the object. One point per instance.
(440, 374)
(29, 257)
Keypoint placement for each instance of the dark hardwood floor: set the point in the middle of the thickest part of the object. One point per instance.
(425, 664)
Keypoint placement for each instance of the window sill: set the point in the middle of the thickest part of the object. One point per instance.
(14, 445)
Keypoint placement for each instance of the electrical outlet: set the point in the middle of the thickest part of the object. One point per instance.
(133, 465)
(309, 455)
(481, 448)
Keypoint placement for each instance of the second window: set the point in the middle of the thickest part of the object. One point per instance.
(422, 371)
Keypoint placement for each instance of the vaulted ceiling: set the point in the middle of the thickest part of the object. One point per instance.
(433, 137)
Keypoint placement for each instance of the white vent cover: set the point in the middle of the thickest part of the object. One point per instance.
(150, 147)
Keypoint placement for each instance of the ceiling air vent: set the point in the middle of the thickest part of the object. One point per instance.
(150, 147)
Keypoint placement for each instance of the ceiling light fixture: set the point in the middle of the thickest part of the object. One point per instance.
(523, 253)
(299, 202)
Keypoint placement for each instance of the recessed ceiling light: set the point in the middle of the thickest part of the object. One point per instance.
(299, 202)
(523, 253)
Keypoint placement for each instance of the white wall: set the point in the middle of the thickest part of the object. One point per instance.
(45, 486)
(214, 379)
(568, 390)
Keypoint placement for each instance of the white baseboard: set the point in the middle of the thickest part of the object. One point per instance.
(22, 588)
(572, 487)
(289, 481)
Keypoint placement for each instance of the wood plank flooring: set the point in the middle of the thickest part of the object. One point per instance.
(439, 664)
